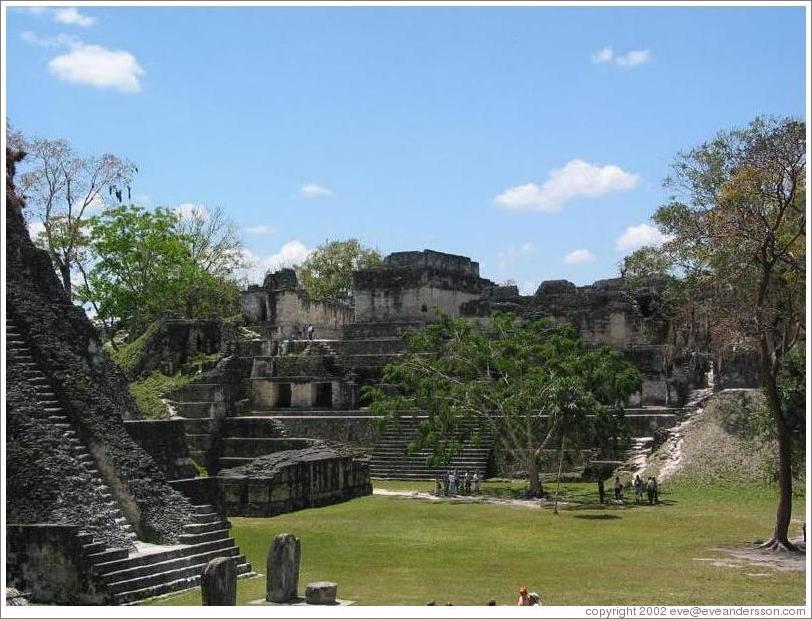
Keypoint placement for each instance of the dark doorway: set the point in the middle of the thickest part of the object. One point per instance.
(283, 397)
(324, 395)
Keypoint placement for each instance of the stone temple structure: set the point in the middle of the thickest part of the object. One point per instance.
(281, 391)
(106, 507)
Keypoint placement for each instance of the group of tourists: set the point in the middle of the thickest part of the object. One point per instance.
(453, 483)
(301, 332)
(639, 487)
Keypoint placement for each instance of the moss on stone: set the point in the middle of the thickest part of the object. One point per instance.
(128, 356)
(151, 392)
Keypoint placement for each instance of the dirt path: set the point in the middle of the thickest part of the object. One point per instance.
(427, 496)
(757, 563)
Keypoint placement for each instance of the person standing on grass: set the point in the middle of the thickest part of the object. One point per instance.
(651, 490)
(476, 483)
(452, 483)
(438, 485)
(310, 331)
(467, 483)
(618, 489)
(638, 489)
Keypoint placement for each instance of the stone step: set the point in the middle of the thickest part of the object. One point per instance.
(206, 527)
(206, 518)
(156, 573)
(256, 447)
(201, 538)
(109, 555)
(157, 567)
(204, 509)
(174, 552)
(253, 427)
(425, 474)
(199, 409)
(128, 597)
(93, 547)
(399, 450)
(306, 412)
(406, 476)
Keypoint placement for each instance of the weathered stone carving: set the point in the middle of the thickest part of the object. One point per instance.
(218, 583)
(283, 568)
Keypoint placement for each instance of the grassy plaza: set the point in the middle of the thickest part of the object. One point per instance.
(388, 550)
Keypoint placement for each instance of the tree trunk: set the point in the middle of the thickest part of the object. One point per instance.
(64, 273)
(558, 481)
(536, 489)
(780, 537)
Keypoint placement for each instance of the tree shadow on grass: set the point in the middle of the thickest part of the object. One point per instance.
(594, 505)
(598, 517)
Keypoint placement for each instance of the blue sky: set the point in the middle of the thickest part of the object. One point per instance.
(531, 139)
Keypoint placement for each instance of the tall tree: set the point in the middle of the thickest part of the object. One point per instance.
(143, 265)
(213, 239)
(327, 272)
(533, 384)
(736, 244)
(61, 189)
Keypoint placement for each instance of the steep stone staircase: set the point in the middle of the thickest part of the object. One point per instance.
(391, 460)
(319, 348)
(21, 354)
(143, 570)
(199, 405)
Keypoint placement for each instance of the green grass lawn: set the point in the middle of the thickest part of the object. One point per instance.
(391, 550)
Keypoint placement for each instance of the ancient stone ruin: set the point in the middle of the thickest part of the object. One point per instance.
(92, 518)
(284, 557)
(277, 420)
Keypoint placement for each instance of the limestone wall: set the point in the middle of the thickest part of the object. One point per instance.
(254, 304)
(47, 561)
(165, 441)
(293, 308)
(291, 480)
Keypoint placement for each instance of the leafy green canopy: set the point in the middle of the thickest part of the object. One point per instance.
(531, 383)
(327, 273)
(142, 266)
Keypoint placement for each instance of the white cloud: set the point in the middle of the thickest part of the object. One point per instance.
(508, 256)
(313, 190)
(59, 40)
(635, 237)
(577, 178)
(73, 17)
(579, 256)
(261, 229)
(98, 66)
(290, 254)
(634, 58)
(35, 228)
(192, 209)
(604, 55)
